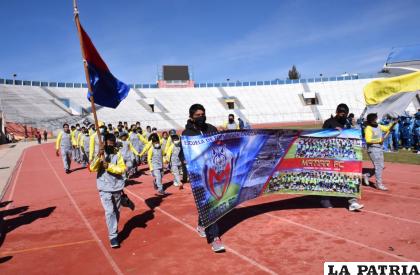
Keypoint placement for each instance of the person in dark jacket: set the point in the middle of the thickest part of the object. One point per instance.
(196, 125)
(338, 122)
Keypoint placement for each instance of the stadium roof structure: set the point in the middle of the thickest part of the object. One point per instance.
(404, 58)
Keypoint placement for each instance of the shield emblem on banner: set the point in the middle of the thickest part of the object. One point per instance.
(218, 171)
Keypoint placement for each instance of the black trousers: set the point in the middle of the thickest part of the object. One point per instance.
(212, 231)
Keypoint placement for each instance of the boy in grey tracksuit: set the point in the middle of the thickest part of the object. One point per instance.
(155, 161)
(85, 141)
(173, 157)
(129, 154)
(64, 144)
(110, 166)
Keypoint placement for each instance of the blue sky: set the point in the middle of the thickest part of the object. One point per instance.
(240, 40)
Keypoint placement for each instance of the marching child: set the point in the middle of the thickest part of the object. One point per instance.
(174, 160)
(374, 134)
(110, 167)
(84, 147)
(65, 141)
(128, 152)
(155, 161)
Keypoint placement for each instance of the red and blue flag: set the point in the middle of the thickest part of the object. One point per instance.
(107, 90)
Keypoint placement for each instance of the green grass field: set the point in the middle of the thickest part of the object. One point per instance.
(399, 157)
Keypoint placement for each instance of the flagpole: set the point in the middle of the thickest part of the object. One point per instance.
(92, 102)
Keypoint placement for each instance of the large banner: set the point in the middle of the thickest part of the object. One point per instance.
(228, 168)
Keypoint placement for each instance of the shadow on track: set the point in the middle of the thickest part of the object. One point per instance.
(24, 217)
(140, 221)
(238, 215)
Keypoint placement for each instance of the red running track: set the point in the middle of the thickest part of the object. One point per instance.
(56, 224)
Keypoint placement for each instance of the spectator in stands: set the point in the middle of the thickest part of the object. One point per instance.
(196, 125)
(374, 135)
(338, 122)
(65, 141)
(231, 124)
(110, 166)
(45, 135)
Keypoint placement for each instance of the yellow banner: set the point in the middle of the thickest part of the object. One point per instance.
(379, 90)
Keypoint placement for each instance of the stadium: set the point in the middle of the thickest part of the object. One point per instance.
(52, 221)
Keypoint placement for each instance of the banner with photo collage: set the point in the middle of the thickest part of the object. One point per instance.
(231, 167)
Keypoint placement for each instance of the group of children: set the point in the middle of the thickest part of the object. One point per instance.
(160, 152)
(123, 150)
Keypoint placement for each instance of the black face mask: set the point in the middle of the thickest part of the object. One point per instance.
(231, 120)
(342, 120)
(109, 149)
(200, 122)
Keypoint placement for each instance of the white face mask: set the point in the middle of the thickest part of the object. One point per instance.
(177, 142)
(154, 132)
(157, 146)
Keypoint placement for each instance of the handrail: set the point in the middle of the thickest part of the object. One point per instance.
(197, 84)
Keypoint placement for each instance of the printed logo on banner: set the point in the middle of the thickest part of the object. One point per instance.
(218, 170)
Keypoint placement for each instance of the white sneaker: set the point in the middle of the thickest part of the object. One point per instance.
(355, 206)
(366, 180)
(380, 186)
(201, 231)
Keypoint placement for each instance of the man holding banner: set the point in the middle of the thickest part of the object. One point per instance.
(196, 125)
(339, 122)
(228, 168)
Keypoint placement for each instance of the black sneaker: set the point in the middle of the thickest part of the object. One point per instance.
(114, 243)
(67, 171)
(162, 192)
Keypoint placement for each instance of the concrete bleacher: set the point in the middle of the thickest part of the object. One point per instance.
(30, 105)
(257, 104)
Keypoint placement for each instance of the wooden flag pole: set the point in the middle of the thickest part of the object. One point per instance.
(92, 102)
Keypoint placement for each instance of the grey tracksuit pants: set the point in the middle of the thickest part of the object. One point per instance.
(175, 169)
(66, 156)
(376, 154)
(111, 201)
(157, 174)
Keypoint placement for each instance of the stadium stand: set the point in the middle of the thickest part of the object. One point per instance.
(305, 100)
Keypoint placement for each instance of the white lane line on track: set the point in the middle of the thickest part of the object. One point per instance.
(336, 237)
(383, 193)
(16, 176)
(89, 227)
(238, 254)
(391, 216)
